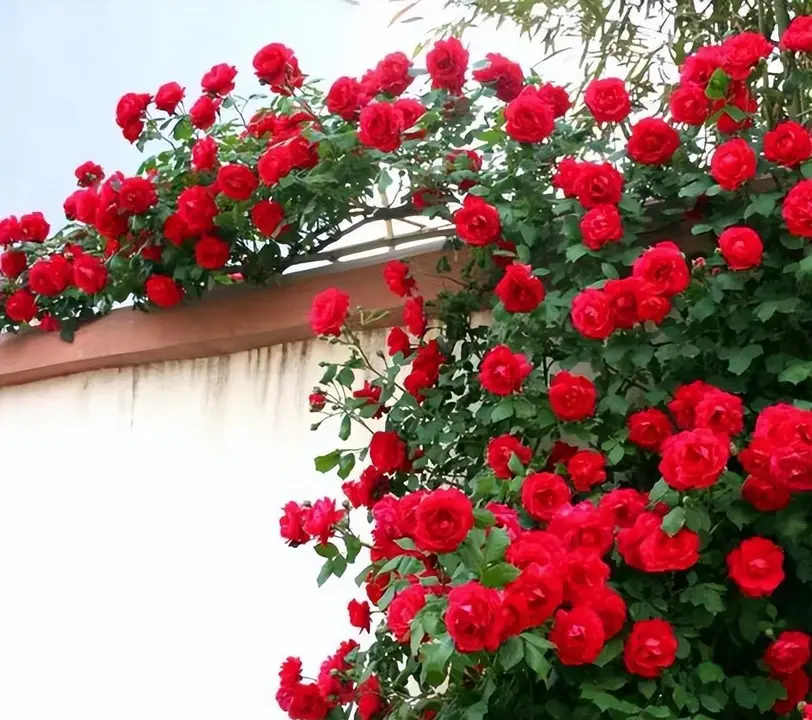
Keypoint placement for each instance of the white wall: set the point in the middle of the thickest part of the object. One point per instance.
(142, 576)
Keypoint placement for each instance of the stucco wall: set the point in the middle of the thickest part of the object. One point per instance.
(141, 571)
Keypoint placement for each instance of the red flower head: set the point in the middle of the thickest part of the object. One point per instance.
(204, 154)
(398, 342)
(598, 184)
(136, 195)
(505, 76)
(380, 126)
(267, 217)
(387, 451)
(756, 565)
(689, 104)
(163, 291)
(648, 429)
(219, 80)
(402, 610)
(608, 100)
(694, 459)
(396, 273)
(652, 142)
(543, 494)
(12, 263)
(211, 252)
(566, 176)
(369, 700)
(741, 53)
(446, 63)
(392, 74)
(236, 181)
(592, 314)
(798, 36)
(623, 506)
(21, 307)
(344, 98)
(741, 247)
(169, 96)
(529, 118)
(277, 66)
(414, 316)
(519, 290)
(556, 97)
(578, 635)
(797, 209)
(203, 114)
(541, 590)
(89, 274)
(197, 209)
(472, 618)
(33, 228)
(788, 653)
(443, 520)
(796, 687)
(788, 144)
(572, 397)
(764, 494)
(88, 174)
(587, 468)
(733, 164)
(50, 276)
(501, 449)
(477, 222)
(502, 371)
(329, 312)
(601, 225)
(663, 266)
(650, 648)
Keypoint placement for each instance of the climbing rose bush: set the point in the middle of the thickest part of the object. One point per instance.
(597, 503)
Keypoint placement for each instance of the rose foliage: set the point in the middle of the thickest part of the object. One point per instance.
(597, 504)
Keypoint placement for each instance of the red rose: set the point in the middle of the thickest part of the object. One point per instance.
(380, 126)
(623, 506)
(277, 66)
(267, 216)
(742, 52)
(578, 635)
(689, 104)
(502, 371)
(236, 181)
(764, 494)
(321, 518)
(717, 410)
(316, 401)
(463, 160)
(699, 67)
(89, 274)
(584, 573)
(368, 699)
(686, 398)
(329, 312)
(556, 97)
(536, 546)
(344, 98)
(646, 546)
(10, 230)
(50, 277)
(387, 451)
(274, 164)
(587, 468)
(414, 316)
(136, 195)
(529, 119)
(501, 449)
(608, 100)
(197, 209)
(21, 306)
(788, 653)
(592, 315)
(797, 209)
(88, 174)
(572, 397)
(505, 76)
(582, 526)
(663, 266)
(133, 132)
(219, 80)
(598, 184)
(798, 36)
(600, 225)
(472, 618)
(756, 565)
(396, 275)
(543, 494)
(477, 222)
(203, 114)
(48, 323)
(694, 459)
(169, 96)
(12, 263)
(519, 290)
(738, 96)
(402, 610)
(610, 607)
(204, 154)
(741, 247)
(443, 520)
(392, 74)
(163, 291)
(648, 429)
(446, 64)
(796, 687)
(733, 164)
(131, 109)
(541, 590)
(650, 648)
(303, 701)
(398, 342)
(211, 252)
(34, 228)
(625, 299)
(787, 144)
(566, 176)
(652, 142)
(411, 111)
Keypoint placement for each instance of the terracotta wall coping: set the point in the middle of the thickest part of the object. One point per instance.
(229, 320)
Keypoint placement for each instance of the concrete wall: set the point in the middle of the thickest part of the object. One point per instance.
(142, 576)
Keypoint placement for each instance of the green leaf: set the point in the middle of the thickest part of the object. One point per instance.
(610, 651)
(502, 411)
(500, 575)
(346, 465)
(345, 428)
(674, 521)
(511, 653)
(710, 672)
(327, 550)
(696, 188)
(434, 656)
(663, 492)
(576, 252)
(536, 660)
(796, 373)
(717, 85)
(325, 463)
(605, 702)
(326, 572)
(741, 360)
(484, 518)
(346, 377)
(496, 545)
(806, 169)
(329, 374)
